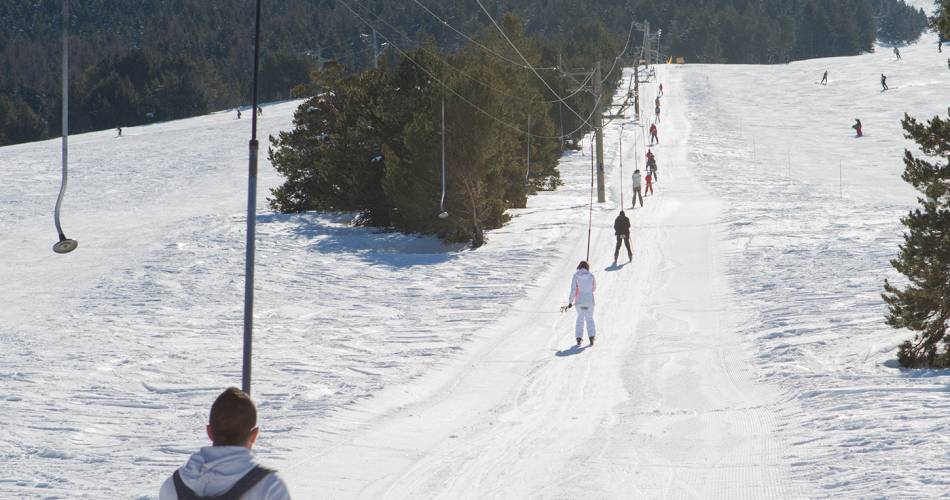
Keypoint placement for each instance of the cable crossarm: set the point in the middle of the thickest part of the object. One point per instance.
(468, 76)
(435, 78)
(533, 70)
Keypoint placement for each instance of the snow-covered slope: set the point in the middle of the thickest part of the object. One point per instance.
(809, 264)
(742, 353)
(112, 354)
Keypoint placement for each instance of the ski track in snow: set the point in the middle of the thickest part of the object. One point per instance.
(809, 264)
(113, 354)
(666, 405)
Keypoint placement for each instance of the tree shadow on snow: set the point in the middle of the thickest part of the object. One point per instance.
(334, 233)
(572, 351)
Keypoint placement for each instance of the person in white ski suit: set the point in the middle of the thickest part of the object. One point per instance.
(218, 469)
(637, 186)
(583, 286)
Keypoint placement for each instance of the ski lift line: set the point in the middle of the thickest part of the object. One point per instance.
(442, 213)
(621, 165)
(336, 49)
(523, 58)
(620, 55)
(487, 85)
(590, 209)
(64, 245)
(463, 98)
(527, 173)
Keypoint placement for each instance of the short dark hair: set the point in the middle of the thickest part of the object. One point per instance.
(233, 417)
(583, 265)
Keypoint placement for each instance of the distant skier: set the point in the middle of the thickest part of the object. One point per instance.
(637, 185)
(657, 111)
(583, 286)
(884, 83)
(661, 89)
(238, 113)
(651, 164)
(649, 181)
(897, 53)
(824, 78)
(653, 136)
(857, 127)
(940, 45)
(622, 232)
(120, 131)
(259, 111)
(656, 102)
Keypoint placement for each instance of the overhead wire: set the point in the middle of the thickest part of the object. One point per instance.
(483, 83)
(472, 40)
(515, 128)
(620, 55)
(533, 70)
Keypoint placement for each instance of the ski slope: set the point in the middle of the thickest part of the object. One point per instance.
(742, 354)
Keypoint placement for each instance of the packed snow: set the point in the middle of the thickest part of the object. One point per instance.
(742, 353)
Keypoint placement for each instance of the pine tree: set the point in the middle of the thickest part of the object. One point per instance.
(923, 306)
(941, 21)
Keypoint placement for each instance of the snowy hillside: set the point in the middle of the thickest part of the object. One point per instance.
(742, 353)
(809, 263)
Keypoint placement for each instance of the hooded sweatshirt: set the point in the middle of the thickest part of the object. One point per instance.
(215, 469)
(583, 287)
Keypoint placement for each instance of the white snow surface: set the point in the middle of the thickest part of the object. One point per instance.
(742, 354)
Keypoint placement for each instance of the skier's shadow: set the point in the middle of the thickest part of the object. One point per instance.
(572, 351)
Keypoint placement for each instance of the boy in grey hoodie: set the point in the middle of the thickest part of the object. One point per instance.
(227, 467)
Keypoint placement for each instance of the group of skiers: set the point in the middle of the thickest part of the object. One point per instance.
(859, 132)
(639, 189)
(259, 112)
(583, 283)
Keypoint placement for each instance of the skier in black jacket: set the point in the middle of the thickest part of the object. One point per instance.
(622, 230)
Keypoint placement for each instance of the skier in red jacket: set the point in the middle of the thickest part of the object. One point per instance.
(653, 136)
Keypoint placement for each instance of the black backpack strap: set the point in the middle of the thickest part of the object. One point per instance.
(183, 492)
(247, 482)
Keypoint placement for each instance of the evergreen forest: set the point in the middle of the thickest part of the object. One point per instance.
(134, 62)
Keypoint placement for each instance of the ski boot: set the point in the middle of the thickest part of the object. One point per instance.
(592, 341)
(578, 341)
